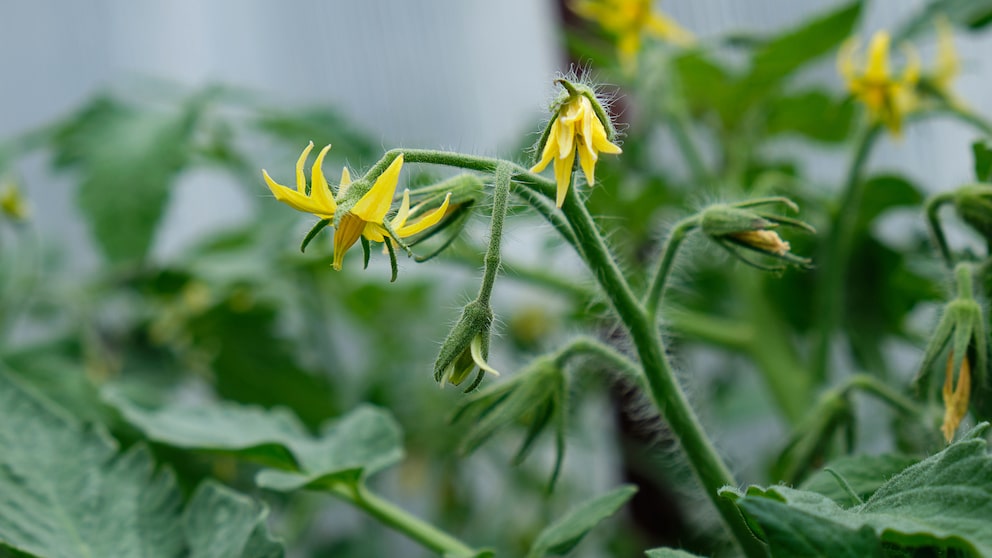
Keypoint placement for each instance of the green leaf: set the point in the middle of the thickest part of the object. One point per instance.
(668, 553)
(561, 536)
(983, 160)
(942, 502)
(884, 192)
(864, 473)
(812, 114)
(361, 443)
(777, 59)
(68, 492)
(128, 159)
(220, 523)
(968, 14)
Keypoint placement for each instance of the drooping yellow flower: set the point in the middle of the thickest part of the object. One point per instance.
(948, 66)
(576, 128)
(629, 21)
(366, 217)
(887, 98)
(956, 396)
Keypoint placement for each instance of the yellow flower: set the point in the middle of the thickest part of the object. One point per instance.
(955, 396)
(948, 66)
(366, 217)
(629, 20)
(887, 98)
(12, 202)
(576, 128)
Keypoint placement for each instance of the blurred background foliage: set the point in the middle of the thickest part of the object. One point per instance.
(242, 316)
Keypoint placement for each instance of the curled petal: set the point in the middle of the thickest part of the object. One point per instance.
(319, 189)
(296, 200)
(427, 221)
(374, 205)
(563, 175)
(301, 179)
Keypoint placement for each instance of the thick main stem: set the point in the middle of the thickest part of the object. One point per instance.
(668, 396)
(831, 283)
(410, 525)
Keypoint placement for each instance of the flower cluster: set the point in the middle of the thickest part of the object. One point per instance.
(629, 21)
(579, 126)
(358, 210)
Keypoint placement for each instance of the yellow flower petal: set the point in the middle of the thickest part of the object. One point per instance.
(425, 222)
(563, 175)
(955, 396)
(878, 57)
(550, 149)
(587, 160)
(404, 211)
(345, 236)
(296, 200)
(345, 181)
(301, 180)
(374, 205)
(319, 189)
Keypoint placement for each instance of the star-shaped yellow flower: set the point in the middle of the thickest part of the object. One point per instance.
(629, 21)
(887, 98)
(366, 217)
(576, 129)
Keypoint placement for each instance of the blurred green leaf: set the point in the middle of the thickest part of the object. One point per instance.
(322, 126)
(777, 59)
(983, 160)
(942, 502)
(884, 192)
(361, 443)
(813, 114)
(863, 473)
(967, 14)
(252, 363)
(220, 523)
(127, 158)
(67, 492)
(561, 536)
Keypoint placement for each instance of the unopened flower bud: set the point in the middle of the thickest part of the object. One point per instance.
(466, 348)
(735, 226)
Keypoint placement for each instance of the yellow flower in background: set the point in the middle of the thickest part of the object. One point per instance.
(629, 21)
(12, 203)
(368, 214)
(948, 65)
(956, 396)
(887, 98)
(576, 129)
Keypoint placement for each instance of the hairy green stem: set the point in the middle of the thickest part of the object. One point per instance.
(830, 284)
(593, 347)
(653, 297)
(665, 390)
(933, 205)
(393, 516)
(501, 194)
(872, 385)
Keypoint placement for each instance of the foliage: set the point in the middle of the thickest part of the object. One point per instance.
(161, 407)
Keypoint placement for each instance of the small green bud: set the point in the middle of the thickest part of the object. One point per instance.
(466, 348)
(738, 225)
(973, 204)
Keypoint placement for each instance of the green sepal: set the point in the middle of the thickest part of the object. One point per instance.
(973, 203)
(366, 251)
(476, 320)
(319, 226)
(393, 266)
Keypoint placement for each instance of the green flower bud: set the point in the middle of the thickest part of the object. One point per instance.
(973, 204)
(466, 348)
(739, 225)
